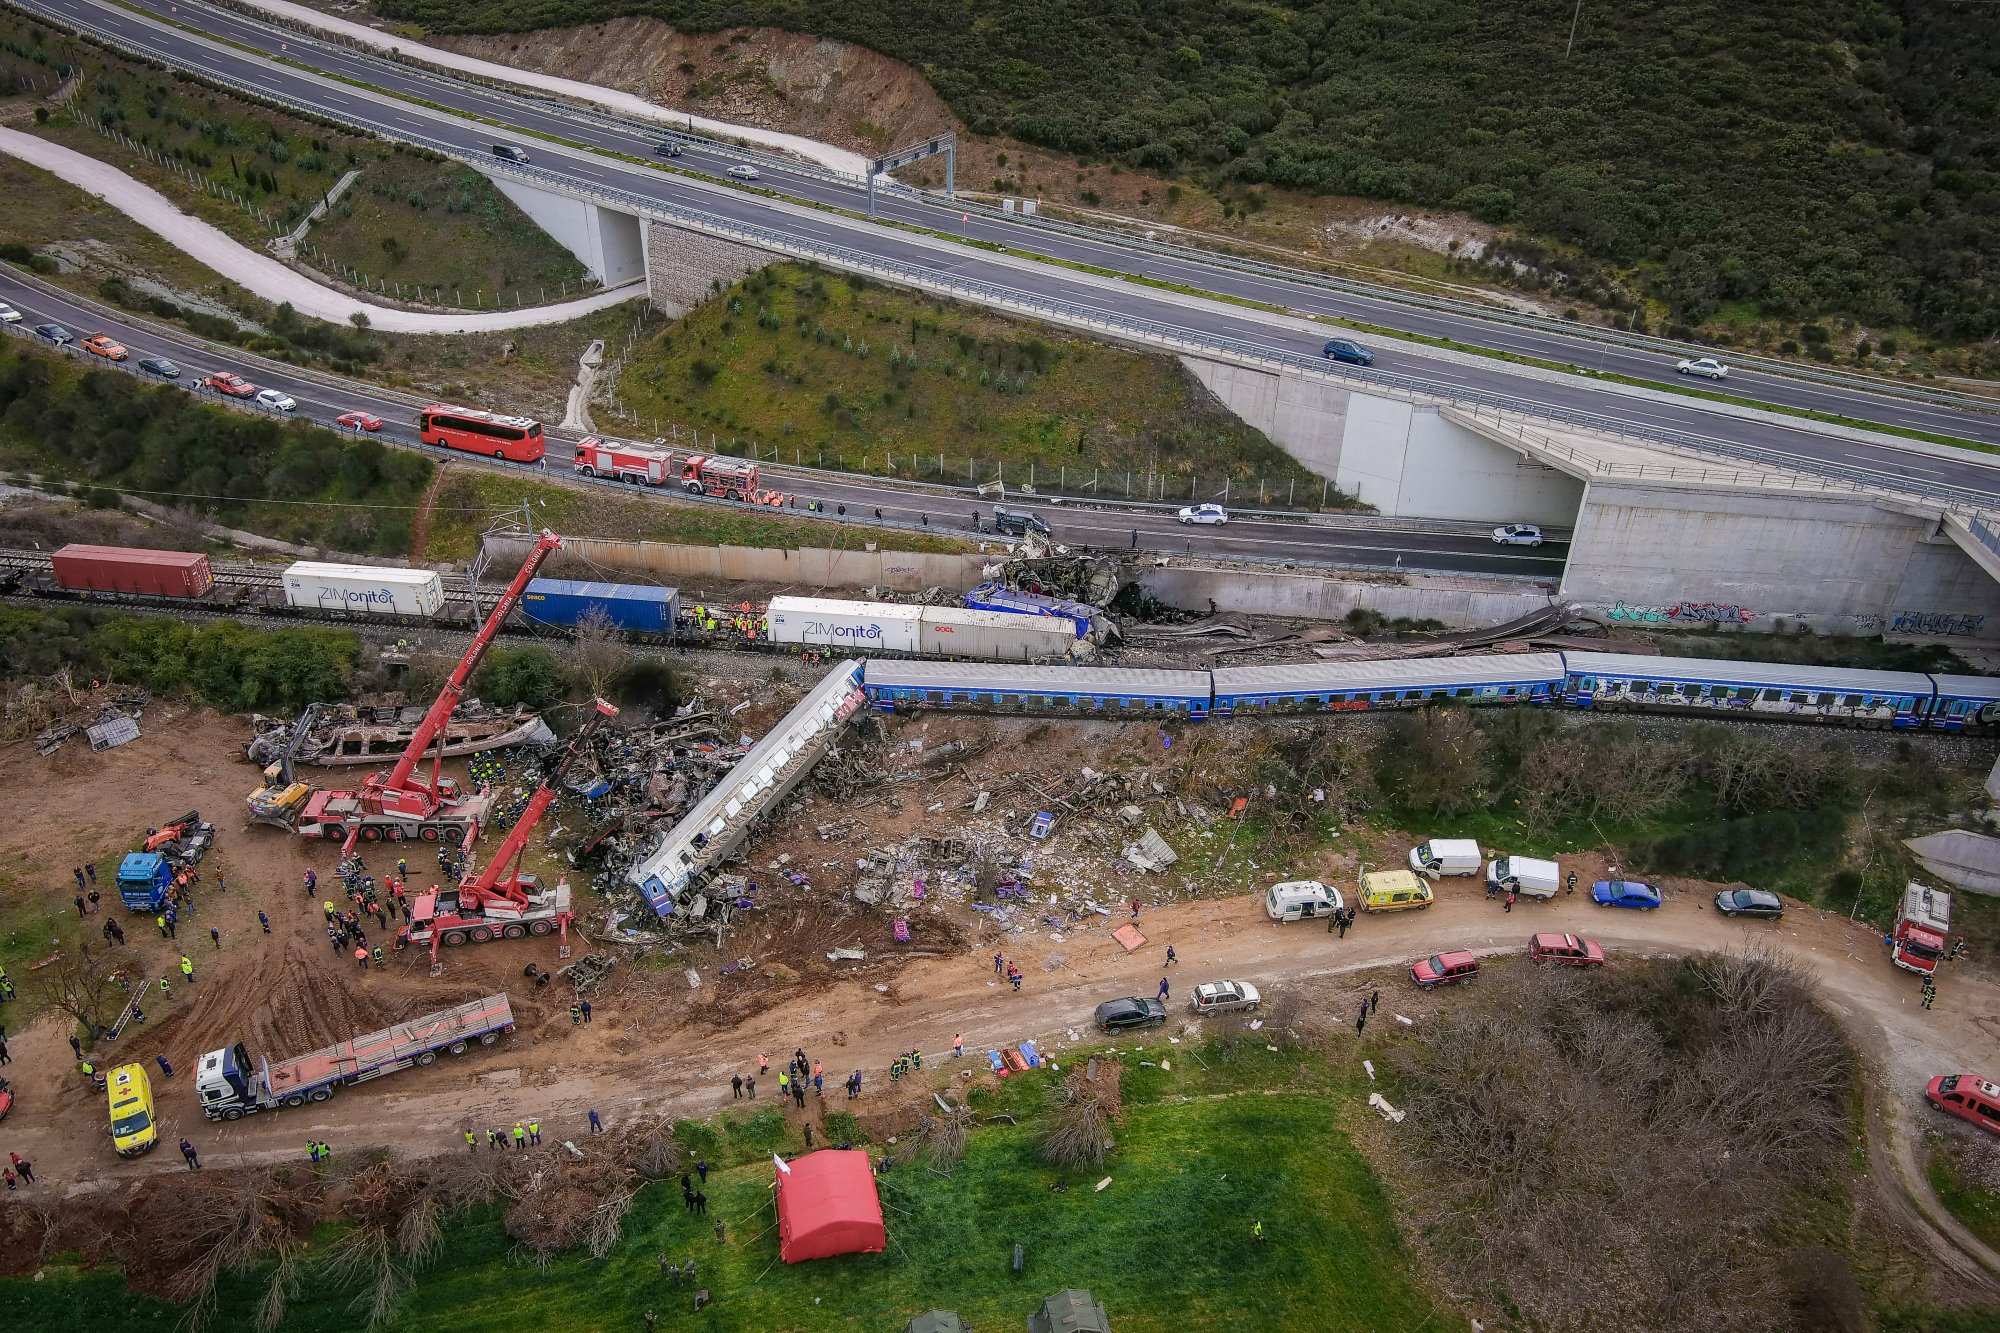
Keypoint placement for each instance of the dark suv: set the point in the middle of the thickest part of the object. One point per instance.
(1123, 1015)
(1018, 523)
(667, 148)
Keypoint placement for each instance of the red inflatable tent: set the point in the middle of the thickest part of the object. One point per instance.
(827, 1205)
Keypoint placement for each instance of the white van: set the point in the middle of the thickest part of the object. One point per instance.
(1446, 856)
(1524, 876)
(1301, 900)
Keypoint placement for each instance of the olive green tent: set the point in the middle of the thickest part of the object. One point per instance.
(1071, 1311)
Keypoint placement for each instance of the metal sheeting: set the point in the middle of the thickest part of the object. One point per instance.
(1419, 673)
(991, 677)
(1772, 675)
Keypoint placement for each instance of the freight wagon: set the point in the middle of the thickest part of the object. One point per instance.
(864, 627)
(636, 608)
(364, 589)
(995, 636)
(122, 569)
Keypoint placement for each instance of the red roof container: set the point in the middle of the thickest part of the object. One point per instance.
(124, 569)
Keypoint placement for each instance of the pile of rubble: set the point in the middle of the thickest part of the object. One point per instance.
(115, 721)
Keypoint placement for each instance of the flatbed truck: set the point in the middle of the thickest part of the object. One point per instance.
(231, 1085)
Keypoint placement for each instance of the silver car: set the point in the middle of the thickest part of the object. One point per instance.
(1218, 997)
(1518, 534)
(1705, 366)
(743, 171)
(277, 400)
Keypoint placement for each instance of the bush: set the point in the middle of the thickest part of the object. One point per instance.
(527, 676)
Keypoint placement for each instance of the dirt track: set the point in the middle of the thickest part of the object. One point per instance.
(658, 1048)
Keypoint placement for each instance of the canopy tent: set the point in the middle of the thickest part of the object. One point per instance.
(827, 1205)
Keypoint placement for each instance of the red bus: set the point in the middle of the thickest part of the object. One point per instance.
(517, 439)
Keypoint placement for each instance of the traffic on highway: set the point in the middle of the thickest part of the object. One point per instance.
(1388, 544)
(389, 112)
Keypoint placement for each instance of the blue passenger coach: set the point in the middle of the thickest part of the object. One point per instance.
(1313, 687)
(1066, 691)
(1774, 690)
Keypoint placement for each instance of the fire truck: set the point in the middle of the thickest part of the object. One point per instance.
(1918, 940)
(727, 478)
(502, 901)
(622, 460)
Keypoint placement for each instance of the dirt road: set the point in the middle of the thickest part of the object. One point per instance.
(657, 1047)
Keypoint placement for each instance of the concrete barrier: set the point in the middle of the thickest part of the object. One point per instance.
(1457, 602)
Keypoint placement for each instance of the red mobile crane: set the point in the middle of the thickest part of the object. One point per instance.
(502, 901)
(403, 803)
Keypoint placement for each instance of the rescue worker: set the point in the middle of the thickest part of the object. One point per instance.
(187, 969)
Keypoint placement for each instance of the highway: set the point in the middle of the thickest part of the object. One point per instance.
(392, 114)
(1389, 545)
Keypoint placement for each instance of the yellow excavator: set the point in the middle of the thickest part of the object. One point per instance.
(278, 800)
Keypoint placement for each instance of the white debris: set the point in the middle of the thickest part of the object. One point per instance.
(1388, 1112)
(1102, 1183)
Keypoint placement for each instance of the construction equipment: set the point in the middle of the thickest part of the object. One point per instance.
(503, 901)
(230, 1086)
(281, 797)
(171, 838)
(402, 803)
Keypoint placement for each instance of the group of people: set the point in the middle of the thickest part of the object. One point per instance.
(526, 1134)
(906, 1063)
(1006, 967)
(1341, 921)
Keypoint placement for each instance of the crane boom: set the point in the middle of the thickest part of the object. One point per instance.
(489, 886)
(400, 791)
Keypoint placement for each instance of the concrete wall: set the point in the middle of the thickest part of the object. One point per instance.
(1460, 603)
(609, 244)
(1408, 461)
(1657, 553)
(683, 268)
(1303, 417)
(809, 567)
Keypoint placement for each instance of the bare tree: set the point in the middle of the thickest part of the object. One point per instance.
(1437, 759)
(88, 991)
(600, 652)
(1074, 1133)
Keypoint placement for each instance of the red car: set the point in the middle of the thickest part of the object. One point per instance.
(233, 385)
(367, 421)
(1565, 950)
(1441, 969)
(6, 1099)
(1967, 1096)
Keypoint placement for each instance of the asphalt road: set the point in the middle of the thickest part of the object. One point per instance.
(1392, 545)
(393, 116)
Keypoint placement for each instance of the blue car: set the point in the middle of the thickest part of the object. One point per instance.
(1625, 893)
(1346, 349)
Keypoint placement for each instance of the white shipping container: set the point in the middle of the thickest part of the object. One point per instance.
(367, 589)
(860, 626)
(996, 636)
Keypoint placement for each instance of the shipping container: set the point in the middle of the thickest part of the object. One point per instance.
(869, 627)
(367, 589)
(995, 597)
(122, 569)
(637, 607)
(995, 636)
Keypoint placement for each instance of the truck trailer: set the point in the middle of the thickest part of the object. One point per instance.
(231, 1085)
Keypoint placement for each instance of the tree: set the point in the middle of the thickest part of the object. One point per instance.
(600, 654)
(1436, 761)
(87, 989)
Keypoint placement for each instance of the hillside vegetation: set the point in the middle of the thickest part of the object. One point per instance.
(1794, 158)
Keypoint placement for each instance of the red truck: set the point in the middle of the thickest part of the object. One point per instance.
(622, 460)
(1918, 940)
(727, 478)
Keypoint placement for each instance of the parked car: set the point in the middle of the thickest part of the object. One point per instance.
(1018, 523)
(54, 333)
(1203, 513)
(1565, 950)
(233, 385)
(9, 315)
(1125, 1015)
(367, 421)
(6, 1099)
(1442, 969)
(1346, 349)
(1967, 1096)
(743, 171)
(1705, 366)
(1749, 902)
(101, 344)
(667, 148)
(1518, 534)
(276, 399)
(159, 365)
(1625, 893)
(1219, 997)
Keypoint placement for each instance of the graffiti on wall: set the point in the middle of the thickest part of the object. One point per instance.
(1935, 622)
(1683, 613)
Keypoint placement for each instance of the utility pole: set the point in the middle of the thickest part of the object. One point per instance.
(1575, 15)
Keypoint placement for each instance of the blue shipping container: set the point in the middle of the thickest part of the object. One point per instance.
(638, 607)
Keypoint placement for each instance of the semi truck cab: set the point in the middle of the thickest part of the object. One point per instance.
(143, 878)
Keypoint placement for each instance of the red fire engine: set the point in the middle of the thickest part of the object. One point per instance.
(1923, 926)
(728, 478)
(622, 460)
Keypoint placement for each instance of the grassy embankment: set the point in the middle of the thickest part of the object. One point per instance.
(831, 370)
(1203, 1151)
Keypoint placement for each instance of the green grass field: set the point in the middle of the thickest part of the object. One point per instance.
(1201, 1155)
(839, 372)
